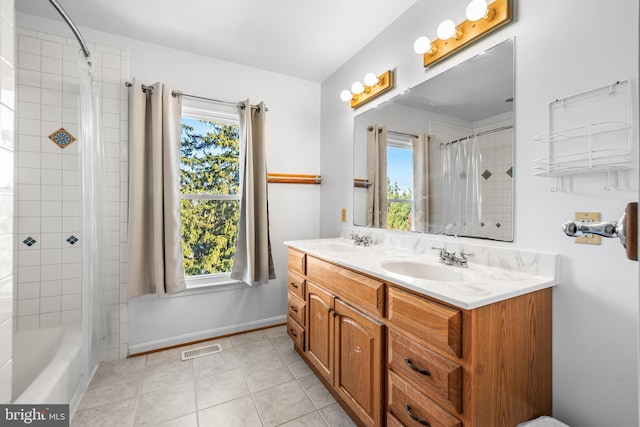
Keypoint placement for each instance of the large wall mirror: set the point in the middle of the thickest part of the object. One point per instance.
(439, 157)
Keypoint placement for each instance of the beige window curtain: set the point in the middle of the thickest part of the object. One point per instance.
(253, 262)
(420, 145)
(155, 244)
(377, 175)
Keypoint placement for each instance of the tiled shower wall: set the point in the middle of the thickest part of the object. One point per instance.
(7, 102)
(496, 173)
(48, 222)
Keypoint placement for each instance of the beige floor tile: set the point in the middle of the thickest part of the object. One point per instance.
(166, 356)
(236, 413)
(167, 374)
(118, 413)
(266, 374)
(283, 344)
(225, 343)
(190, 420)
(313, 419)
(108, 372)
(166, 404)
(335, 416)
(300, 368)
(125, 387)
(317, 392)
(282, 403)
(290, 356)
(220, 388)
(249, 338)
(276, 331)
(216, 363)
(260, 351)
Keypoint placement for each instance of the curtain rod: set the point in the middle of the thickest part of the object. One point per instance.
(485, 132)
(370, 128)
(217, 101)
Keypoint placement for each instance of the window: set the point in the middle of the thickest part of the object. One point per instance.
(209, 194)
(399, 185)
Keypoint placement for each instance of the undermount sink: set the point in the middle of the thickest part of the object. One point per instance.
(426, 271)
(338, 247)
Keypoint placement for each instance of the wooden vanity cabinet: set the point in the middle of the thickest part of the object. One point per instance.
(296, 299)
(395, 357)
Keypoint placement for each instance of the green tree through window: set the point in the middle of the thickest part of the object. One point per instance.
(210, 199)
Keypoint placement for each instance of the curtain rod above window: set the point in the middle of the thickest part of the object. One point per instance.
(178, 93)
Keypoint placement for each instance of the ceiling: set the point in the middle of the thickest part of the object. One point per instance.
(305, 39)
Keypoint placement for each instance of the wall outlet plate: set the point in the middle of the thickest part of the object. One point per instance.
(589, 239)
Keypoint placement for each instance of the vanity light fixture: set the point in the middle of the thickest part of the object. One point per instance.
(482, 18)
(372, 87)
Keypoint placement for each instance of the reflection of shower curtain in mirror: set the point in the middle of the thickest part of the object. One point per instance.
(462, 198)
(377, 176)
(420, 183)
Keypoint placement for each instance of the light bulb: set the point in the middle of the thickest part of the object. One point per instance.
(357, 88)
(371, 79)
(345, 95)
(422, 45)
(446, 29)
(477, 10)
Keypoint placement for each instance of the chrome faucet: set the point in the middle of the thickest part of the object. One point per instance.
(450, 258)
(359, 240)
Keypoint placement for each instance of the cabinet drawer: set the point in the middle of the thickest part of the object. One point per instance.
(296, 309)
(428, 372)
(297, 285)
(297, 261)
(296, 332)
(359, 290)
(426, 320)
(393, 421)
(413, 408)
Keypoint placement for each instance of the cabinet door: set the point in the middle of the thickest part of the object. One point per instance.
(358, 366)
(320, 322)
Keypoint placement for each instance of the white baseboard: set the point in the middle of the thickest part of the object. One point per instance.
(203, 335)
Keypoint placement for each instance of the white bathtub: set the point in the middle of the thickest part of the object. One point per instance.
(46, 365)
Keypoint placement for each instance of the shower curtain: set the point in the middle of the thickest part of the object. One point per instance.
(94, 235)
(460, 178)
(377, 175)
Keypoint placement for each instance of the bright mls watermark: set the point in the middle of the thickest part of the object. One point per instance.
(34, 415)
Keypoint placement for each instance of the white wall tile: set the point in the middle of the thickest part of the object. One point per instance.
(71, 302)
(49, 320)
(28, 322)
(51, 288)
(71, 317)
(29, 45)
(71, 286)
(50, 304)
(29, 307)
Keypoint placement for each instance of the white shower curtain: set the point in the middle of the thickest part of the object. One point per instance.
(462, 197)
(420, 144)
(377, 176)
(253, 261)
(155, 243)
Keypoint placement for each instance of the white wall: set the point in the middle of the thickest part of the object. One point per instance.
(7, 102)
(562, 48)
(293, 129)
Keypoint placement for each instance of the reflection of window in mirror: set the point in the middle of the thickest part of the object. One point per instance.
(399, 185)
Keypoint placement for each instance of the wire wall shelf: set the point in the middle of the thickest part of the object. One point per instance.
(590, 132)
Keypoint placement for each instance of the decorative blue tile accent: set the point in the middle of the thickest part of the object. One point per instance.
(72, 240)
(510, 172)
(29, 241)
(482, 224)
(486, 174)
(62, 138)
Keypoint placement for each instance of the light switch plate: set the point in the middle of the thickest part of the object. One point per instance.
(589, 239)
(344, 214)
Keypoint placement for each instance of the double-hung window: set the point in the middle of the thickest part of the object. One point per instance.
(209, 193)
(399, 185)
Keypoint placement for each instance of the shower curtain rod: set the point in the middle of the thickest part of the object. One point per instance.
(485, 132)
(74, 29)
(393, 132)
(217, 101)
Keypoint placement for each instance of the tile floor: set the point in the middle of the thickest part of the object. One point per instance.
(256, 380)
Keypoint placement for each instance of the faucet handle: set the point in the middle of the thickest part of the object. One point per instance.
(464, 253)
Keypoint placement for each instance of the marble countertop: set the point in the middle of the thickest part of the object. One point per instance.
(483, 284)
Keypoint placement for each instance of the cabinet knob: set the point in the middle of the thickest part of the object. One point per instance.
(414, 417)
(294, 308)
(294, 285)
(292, 332)
(416, 369)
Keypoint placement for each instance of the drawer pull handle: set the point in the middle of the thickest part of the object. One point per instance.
(416, 418)
(294, 308)
(418, 370)
(294, 285)
(292, 332)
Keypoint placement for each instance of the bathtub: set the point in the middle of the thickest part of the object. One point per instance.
(46, 365)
